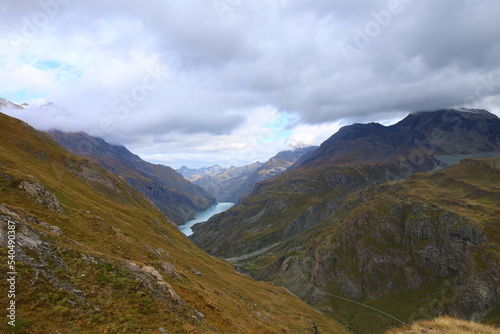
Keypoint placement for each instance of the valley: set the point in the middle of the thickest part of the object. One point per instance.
(96, 255)
(250, 167)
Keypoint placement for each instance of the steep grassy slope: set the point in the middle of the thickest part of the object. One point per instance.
(94, 256)
(176, 197)
(281, 208)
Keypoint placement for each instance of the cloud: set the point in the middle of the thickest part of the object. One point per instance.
(191, 73)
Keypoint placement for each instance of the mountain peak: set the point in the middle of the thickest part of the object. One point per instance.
(448, 132)
(9, 104)
(445, 119)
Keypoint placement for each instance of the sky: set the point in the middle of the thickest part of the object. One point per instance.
(230, 82)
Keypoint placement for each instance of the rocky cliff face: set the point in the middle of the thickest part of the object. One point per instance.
(94, 254)
(176, 197)
(440, 228)
(336, 224)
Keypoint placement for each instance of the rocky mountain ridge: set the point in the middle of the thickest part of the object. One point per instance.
(275, 166)
(419, 136)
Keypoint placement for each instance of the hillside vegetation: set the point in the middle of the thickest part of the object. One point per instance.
(95, 256)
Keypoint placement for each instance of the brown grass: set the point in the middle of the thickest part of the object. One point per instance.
(445, 325)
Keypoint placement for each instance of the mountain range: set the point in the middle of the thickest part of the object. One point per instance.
(392, 217)
(377, 228)
(234, 183)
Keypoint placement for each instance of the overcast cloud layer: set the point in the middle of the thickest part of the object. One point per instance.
(233, 81)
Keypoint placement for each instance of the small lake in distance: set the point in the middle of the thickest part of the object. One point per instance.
(203, 216)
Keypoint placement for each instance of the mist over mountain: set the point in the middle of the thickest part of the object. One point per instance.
(11, 105)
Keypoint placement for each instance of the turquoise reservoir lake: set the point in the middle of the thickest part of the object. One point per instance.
(203, 216)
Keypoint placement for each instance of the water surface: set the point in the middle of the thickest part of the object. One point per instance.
(203, 216)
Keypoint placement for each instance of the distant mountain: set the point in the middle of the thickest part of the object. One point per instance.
(335, 224)
(226, 184)
(195, 174)
(93, 255)
(273, 167)
(234, 183)
(176, 197)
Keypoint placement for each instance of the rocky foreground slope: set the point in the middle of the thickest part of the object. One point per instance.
(93, 255)
(340, 229)
(176, 197)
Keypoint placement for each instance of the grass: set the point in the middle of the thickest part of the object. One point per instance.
(445, 325)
